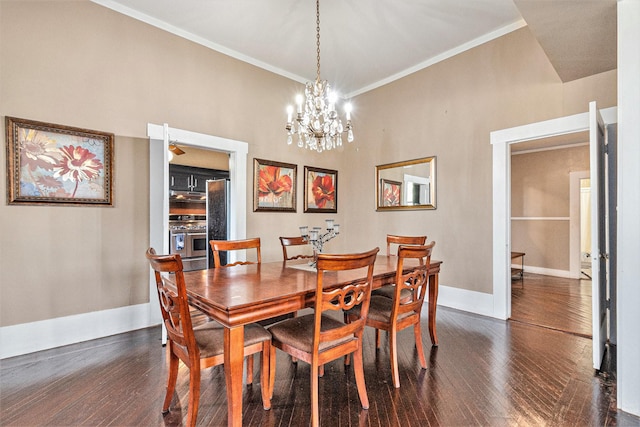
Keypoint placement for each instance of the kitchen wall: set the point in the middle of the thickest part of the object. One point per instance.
(202, 158)
(82, 65)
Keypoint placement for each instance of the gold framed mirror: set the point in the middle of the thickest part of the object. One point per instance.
(407, 185)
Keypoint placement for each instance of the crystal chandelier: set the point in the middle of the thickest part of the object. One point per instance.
(317, 125)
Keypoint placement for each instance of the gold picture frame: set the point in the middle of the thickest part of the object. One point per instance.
(58, 165)
(320, 190)
(275, 186)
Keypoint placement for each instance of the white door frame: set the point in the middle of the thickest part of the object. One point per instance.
(159, 136)
(501, 141)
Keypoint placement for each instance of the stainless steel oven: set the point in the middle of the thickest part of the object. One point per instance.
(188, 237)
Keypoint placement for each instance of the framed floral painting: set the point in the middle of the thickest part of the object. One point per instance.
(274, 186)
(390, 193)
(320, 190)
(55, 164)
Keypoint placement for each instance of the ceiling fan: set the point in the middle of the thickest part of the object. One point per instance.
(175, 149)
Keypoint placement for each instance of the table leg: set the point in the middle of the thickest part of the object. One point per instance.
(233, 365)
(433, 301)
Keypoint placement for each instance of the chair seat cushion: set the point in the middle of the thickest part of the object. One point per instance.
(379, 309)
(389, 291)
(298, 332)
(210, 337)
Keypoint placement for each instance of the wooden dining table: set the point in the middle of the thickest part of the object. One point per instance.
(245, 294)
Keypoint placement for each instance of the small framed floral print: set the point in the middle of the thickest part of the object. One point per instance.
(274, 186)
(320, 190)
(391, 191)
(55, 164)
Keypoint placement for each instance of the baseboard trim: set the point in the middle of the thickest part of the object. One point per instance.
(46, 334)
(466, 300)
(551, 272)
(28, 338)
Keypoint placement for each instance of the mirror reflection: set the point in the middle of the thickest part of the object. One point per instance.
(406, 185)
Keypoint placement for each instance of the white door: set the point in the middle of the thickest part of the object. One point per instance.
(598, 234)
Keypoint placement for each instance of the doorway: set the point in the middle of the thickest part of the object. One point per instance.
(159, 137)
(501, 142)
(545, 224)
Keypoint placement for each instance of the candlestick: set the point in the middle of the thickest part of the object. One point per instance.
(317, 239)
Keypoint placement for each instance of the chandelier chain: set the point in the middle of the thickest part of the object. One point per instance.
(317, 124)
(318, 39)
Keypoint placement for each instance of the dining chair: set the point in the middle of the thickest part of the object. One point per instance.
(397, 313)
(235, 245)
(198, 347)
(318, 338)
(293, 241)
(389, 290)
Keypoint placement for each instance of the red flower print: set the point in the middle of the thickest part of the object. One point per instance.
(391, 195)
(323, 190)
(271, 183)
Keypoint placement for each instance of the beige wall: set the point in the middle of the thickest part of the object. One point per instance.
(82, 65)
(448, 111)
(202, 158)
(602, 88)
(540, 189)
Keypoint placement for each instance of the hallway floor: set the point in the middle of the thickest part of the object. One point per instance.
(552, 302)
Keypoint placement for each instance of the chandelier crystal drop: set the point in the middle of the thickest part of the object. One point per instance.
(317, 124)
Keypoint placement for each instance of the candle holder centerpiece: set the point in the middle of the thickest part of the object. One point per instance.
(317, 239)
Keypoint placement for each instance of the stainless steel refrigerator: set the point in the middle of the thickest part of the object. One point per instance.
(218, 213)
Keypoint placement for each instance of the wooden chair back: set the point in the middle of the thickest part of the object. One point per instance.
(173, 303)
(334, 339)
(403, 240)
(343, 298)
(415, 281)
(235, 245)
(293, 241)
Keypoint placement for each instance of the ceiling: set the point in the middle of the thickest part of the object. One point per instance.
(368, 43)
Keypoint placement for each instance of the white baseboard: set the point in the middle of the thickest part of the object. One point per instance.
(43, 335)
(36, 336)
(551, 272)
(466, 300)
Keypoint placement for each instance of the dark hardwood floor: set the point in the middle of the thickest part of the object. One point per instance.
(485, 372)
(553, 302)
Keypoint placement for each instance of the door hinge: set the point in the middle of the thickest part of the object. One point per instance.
(607, 304)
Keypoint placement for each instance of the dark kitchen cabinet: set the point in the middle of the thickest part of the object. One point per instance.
(188, 178)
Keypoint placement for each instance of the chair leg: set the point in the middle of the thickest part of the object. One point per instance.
(315, 410)
(417, 331)
(393, 355)
(250, 369)
(359, 372)
(272, 370)
(265, 377)
(194, 395)
(174, 362)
